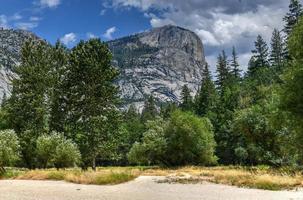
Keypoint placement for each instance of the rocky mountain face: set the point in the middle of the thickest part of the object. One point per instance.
(11, 42)
(158, 62)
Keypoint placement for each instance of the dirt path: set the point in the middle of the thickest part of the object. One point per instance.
(143, 188)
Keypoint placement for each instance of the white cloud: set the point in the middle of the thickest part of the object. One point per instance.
(50, 3)
(26, 25)
(109, 32)
(3, 21)
(16, 16)
(91, 35)
(220, 24)
(102, 12)
(69, 38)
(34, 19)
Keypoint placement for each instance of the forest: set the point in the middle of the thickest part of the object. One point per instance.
(64, 110)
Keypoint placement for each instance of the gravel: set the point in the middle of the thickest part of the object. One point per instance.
(143, 188)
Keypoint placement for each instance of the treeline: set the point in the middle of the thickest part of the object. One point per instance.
(63, 110)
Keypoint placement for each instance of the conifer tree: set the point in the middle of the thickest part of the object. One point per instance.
(186, 99)
(57, 102)
(234, 64)
(260, 56)
(292, 17)
(223, 71)
(206, 97)
(149, 111)
(277, 51)
(27, 109)
(92, 100)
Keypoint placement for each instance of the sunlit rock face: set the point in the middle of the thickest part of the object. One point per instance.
(11, 42)
(158, 62)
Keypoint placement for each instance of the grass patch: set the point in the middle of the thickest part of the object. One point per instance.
(100, 177)
(261, 177)
(251, 177)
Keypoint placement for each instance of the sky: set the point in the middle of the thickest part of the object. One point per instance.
(220, 24)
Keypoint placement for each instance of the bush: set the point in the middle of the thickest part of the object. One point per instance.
(46, 149)
(190, 140)
(153, 146)
(67, 154)
(56, 150)
(9, 148)
(185, 140)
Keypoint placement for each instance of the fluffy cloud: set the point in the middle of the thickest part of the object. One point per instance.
(3, 21)
(220, 24)
(50, 3)
(26, 25)
(68, 39)
(109, 32)
(91, 35)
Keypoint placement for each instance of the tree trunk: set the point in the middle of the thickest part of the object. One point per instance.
(94, 163)
(2, 170)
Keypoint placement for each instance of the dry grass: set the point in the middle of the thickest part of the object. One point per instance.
(102, 177)
(268, 179)
(252, 177)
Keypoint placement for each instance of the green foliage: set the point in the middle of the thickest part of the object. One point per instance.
(277, 56)
(260, 57)
(206, 97)
(184, 140)
(9, 148)
(55, 150)
(190, 140)
(149, 111)
(91, 100)
(186, 99)
(292, 17)
(46, 148)
(66, 154)
(152, 148)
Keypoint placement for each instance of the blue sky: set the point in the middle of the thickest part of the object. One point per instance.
(220, 24)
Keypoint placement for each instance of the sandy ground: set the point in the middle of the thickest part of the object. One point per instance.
(143, 188)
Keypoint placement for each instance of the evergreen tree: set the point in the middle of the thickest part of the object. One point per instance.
(234, 64)
(206, 97)
(92, 99)
(260, 57)
(149, 111)
(27, 109)
(57, 92)
(277, 51)
(222, 71)
(186, 99)
(292, 17)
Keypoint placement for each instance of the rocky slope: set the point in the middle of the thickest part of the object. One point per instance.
(11, 42)
(157, 62)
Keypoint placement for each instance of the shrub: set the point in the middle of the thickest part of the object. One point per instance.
(153, 145)
(56, 150)
(190, 140)
(186, 139)
(46, 149)
(9, 148)
(67, 154)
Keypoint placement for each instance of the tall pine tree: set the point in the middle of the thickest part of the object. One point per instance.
(277, 51)
(234, 64)
(92, 100)
(149, 111)
(206, 97)
(260, 57)
(186, 99)
(293, 16)
(27, 109)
